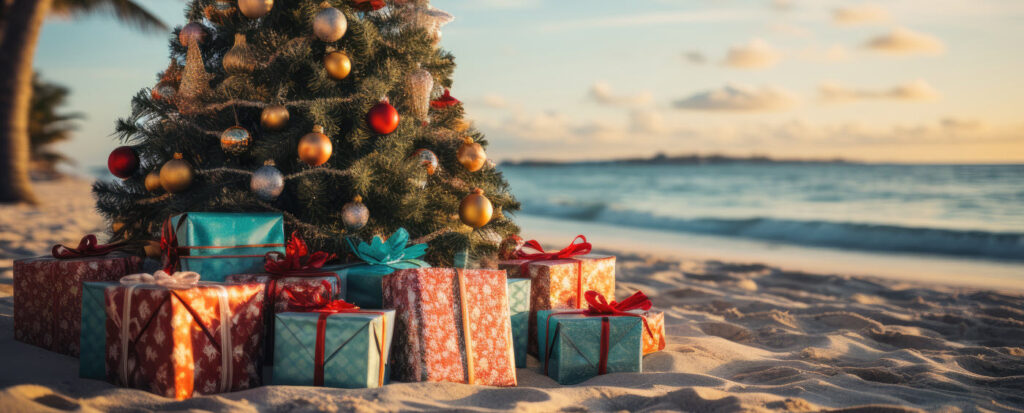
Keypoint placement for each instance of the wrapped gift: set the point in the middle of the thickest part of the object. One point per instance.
(176, 337)
(451, 325)
(217, 244)
(380, 258)
(605, 338)
(333, 344)
(296, 270)
(519, 309)
(559, 279)
(48, 291)
(654, 336)
(92, 362)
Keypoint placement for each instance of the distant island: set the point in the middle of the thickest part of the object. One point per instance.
(691, 159)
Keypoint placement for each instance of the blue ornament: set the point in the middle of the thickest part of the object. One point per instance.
(267, 182)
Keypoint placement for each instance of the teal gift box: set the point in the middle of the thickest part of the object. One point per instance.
(93, 339)
(519, 308)
(218, 244)
(574, 342)
(365, 288)
(353, 347)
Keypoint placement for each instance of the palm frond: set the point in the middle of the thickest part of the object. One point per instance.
(125, 10)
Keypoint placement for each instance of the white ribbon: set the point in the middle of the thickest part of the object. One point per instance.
(181, 280)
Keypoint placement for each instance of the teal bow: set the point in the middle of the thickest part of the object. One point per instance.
(385, 257)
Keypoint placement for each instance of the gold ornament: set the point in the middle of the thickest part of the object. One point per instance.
(329, 24)
(255, 9)
(337, 64)
(471, 155)
(176, 175)
(116, 226)
(220, 11)
(152, 249)
(315, 148)
(240, 59)
(194, 82)
(274, 117)
(355, 214)
(235, 140)
(153, 181)
(475, 209)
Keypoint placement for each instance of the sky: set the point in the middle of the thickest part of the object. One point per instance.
(921, 81)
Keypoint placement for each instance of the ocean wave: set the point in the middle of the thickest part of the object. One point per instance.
(846, 235)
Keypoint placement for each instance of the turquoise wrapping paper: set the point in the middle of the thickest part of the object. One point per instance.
(519, 308)
(221, 229)
(575, 343)
(351, 353)
(365, 288)
(93, 338)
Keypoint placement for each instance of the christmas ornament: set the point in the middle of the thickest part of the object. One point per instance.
(153, 181)
(235, 140)
(446, 100)
(220, 11)
(471, 155)
(418, 85)
(315, 148)
(274, 117)
(123, 162)
(192, 32)
(337, 64)
(368, 5)
(176, 175)
(329, 24)
(424, 17)
(428, 159)
(355, 214)
(240, 59)
(116, 226)
(383, 118)
(475, 209)
(152, 249)
(267, 182)
(163, 91)
(194, 82)
(255, 9)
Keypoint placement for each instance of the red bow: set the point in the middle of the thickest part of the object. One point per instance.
(169, 247)
(444, 101)
(311, 301)
(296, 260)
(368, 5)
(570, 251)
(600, 306)
(88, 247)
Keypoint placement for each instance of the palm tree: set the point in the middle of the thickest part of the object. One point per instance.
(46, 126)
(20, 23)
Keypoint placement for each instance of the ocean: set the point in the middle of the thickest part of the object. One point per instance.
(973, 212)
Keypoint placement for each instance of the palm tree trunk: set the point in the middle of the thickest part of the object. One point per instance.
(24, 20)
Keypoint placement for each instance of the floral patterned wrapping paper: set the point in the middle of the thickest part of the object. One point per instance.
(654, 340)
(48, 296)
(553, 283)
(175, 346)
(430, 341)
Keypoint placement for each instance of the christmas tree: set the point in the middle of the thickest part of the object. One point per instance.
(335, 113)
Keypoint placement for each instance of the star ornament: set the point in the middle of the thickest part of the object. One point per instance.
(427, 18)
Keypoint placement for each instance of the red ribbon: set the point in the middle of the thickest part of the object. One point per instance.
(297, 260)
(570, 251)
(169, 254)
(444, 101)
(88, 247)
(368, 5)
(600, 307)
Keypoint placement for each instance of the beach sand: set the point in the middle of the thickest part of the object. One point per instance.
(741, 337)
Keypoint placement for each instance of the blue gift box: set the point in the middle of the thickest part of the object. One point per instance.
(218, 244)
(519, 308)
(351, 348)
(365, 288)
(93, 338)
(575, 340)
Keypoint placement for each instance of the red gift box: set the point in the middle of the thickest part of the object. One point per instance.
(48, 293)
(183, 342)
(451, 325)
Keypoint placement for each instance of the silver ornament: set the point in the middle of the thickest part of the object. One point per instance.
(355, 214)
(329, 24)
(267, 182)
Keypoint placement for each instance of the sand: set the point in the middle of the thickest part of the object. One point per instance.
(742, 337)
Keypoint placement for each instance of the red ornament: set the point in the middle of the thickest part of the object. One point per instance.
(368, 5)
(444, 101)
(383, 118)
(123, 162)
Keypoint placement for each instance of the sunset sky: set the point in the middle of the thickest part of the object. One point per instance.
(891, 80)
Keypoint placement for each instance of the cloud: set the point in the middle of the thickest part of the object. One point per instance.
(789, 29)
(648, 19)
(601, 92)
(954, 124)
(859, 15)
(918, 90)
(740, 98)
(903, 41)
(647, 122)
(493, 101)
(757, 54)
(695, 57)
(834, 53)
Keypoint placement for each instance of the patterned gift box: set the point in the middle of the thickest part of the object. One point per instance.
(92, 362)
(654, 338)
(451, 325)
(180, 342)
(217, 244)
(559, 279)
(365, 280)
(575, 342)
(48, 296)
(350, 348)
(519, 309)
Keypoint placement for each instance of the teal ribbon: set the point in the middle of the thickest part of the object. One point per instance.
(386, 257)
